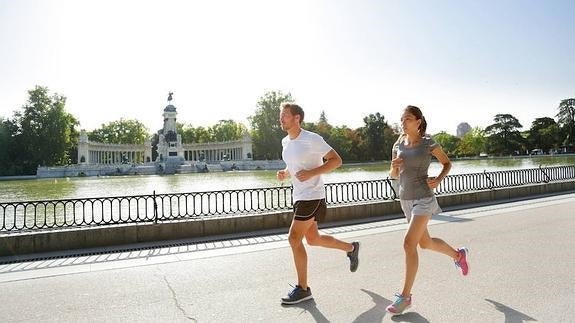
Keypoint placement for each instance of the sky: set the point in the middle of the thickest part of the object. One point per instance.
(458, 60)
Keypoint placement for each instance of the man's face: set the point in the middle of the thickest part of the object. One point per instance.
(287, 120)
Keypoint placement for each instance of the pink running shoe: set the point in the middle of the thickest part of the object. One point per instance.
(400, 304)
(463, 262)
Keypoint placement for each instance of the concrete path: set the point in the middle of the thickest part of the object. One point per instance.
(522, 263)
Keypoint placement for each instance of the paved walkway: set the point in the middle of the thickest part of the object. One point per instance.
(522, 261)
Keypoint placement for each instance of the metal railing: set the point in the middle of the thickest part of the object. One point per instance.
(85, 212)
(500, 179)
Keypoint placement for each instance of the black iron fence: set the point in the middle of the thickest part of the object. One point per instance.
(84, 212)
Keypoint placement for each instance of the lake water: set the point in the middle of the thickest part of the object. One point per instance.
(81, 187)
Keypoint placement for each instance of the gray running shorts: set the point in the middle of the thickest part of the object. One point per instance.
(422, 206)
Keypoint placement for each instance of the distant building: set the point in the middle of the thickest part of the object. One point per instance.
(97, 153)
(462, 129)
(170, 142)
(171, 150)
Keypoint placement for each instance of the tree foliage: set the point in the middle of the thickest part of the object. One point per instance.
(266, 129)
(504, 137)
(227, 130)
(345, 142)
(7, 133)
(543, 134)
(448, 142)
(43, 134)
(472, 143)
(191, 134)
(374, 135)
(121, 132)
(566, 120)
(224, 130)
(323, 127)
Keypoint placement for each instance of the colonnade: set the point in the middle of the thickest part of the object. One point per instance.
(102, 153)
(90, 153)
(210, 155)
(116, 157)
(218, 151)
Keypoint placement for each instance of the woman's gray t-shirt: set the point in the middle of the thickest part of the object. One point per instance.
(413, 172)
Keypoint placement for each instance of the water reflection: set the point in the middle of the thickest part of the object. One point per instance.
(66, 188)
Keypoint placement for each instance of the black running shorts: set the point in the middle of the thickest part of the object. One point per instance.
(305, 210)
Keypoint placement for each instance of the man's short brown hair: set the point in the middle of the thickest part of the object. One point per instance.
(294, 109)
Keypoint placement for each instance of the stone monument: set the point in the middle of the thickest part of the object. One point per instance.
(170, 149)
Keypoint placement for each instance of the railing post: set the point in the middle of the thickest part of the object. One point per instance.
(54, 214)
(393, 184)
(544, 173)
(488, 179)
(155, 209)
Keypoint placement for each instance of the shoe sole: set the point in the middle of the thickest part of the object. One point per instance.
(297, 301)
(467, 256)
(402, 312)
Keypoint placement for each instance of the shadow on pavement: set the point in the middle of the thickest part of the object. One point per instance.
(410, 317)
(310, 307)
(511, 315)
(444, 216)
(377, 312)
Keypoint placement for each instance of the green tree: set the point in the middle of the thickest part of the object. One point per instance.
(227, 130)
(121, 132)
(342, 142)
(448, 142)
(472, 143)
(504, 137)
(191, 134)
(323, 127)
(566, 120)
(374, 134)
(155, 140)
(5, 147)
(46, 133)
(185, 131)
(11, 157)
(266, 130)
(544, 134)
(203, 134)
(390, 136)
(181, 129)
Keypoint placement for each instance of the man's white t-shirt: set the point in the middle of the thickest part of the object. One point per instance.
(305, 152)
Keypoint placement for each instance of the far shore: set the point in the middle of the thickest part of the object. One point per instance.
(352, 164)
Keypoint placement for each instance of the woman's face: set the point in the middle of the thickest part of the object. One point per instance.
(409, 123)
